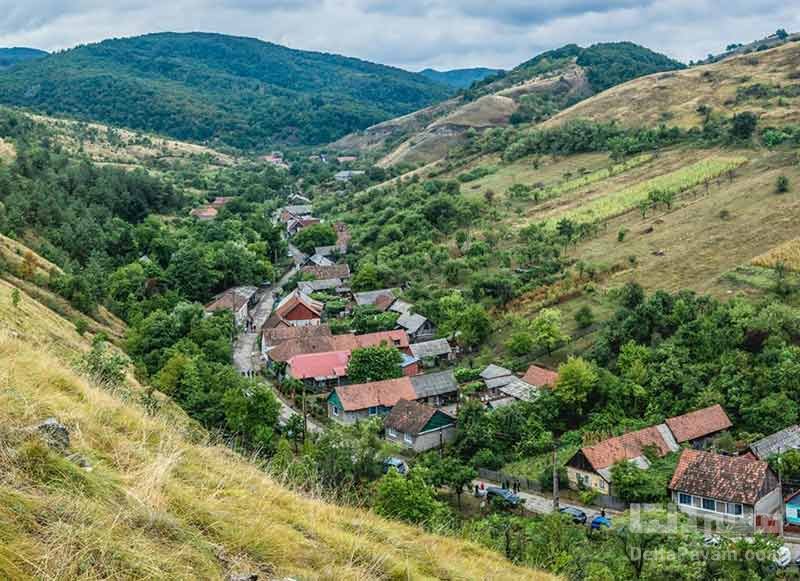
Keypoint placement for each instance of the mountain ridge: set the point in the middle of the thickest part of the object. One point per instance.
(208, 87)
(459, 78)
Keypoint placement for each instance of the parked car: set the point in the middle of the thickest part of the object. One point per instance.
(577, 515)
(784, 557)
(503, 495)
(600, 522)
(397, 463)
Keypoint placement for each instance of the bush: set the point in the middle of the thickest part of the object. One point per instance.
(782, 184)
(621, 234)
(584, 317)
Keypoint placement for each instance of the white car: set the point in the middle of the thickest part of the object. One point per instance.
(784, 557)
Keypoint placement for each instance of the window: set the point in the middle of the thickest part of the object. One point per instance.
(722, 507)
(373, 411)
(734, 509)
(709, 504)
(391, 433)
(335, 410)
(684, 498)
(408, 438)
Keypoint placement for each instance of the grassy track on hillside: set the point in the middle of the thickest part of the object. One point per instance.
(675, 182)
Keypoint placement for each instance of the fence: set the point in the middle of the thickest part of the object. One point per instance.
(525, 484)
(528, 485)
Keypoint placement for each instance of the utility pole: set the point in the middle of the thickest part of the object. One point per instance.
(305, 415)
(555, 476)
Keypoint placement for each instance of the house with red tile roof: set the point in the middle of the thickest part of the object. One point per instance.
(351, 403)
(320, 371)
(590, 467)
(204, 213)
(278, 345)
(699, 426)
(540, 376)
(737, 490)
(298, 310)
(237, 300)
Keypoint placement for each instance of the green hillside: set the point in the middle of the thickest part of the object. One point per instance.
(12, 56)
(459, 78)
(214, 88)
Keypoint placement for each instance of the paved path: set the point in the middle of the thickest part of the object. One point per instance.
(247, 357)
(541, 504)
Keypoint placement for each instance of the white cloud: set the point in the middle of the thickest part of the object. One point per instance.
(409, 33)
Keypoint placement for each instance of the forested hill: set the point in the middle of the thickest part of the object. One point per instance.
(11, 56)
(215, 88)
(605, 64)
(459, 78)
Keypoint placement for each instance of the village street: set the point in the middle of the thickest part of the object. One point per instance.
(246, 355)
(541, 504)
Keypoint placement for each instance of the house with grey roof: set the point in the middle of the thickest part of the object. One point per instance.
(418, 427)
(436, 389)
(777, 443)
(419, 328)
(372, 298)
(432, 353)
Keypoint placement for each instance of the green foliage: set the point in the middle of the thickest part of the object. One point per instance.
(584, 317)
(577, 381)
(782, 184)
(12, 56)
(614, 63)
(467, 322)
(15, 297)
(315, 235)
(546, 331)
(81, 326)
(743, 125)
(251, 412)
(633, 484)
(408, 499)
(374, 364)
(208, 87)
(349, 454)
(105, 365)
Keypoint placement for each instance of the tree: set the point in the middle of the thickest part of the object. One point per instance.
(782, 34)
(776, 410)
(366, 278)
(252, 411)
(295, 430)
(467, 322)
(315, 235)
(584, 317)
(743, 125)
(520, 343)
(81, 326)
(374, 364)
(577, 380)
(782, 184)
(546, 330)
(409, 499)
(15, 297)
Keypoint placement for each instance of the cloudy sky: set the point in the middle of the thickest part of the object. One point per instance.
(410, 33)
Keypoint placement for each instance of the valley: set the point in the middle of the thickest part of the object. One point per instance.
(291, 315)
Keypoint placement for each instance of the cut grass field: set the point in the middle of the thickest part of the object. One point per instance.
(162, 501)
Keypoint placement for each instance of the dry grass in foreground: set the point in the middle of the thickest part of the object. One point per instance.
(787, 253)
(161, 502)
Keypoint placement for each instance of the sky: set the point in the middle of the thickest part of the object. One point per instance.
(412, 34)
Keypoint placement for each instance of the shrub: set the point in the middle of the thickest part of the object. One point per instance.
(584, 317)
(621, 234)
(782, 184)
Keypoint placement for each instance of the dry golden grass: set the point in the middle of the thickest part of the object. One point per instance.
(787, 253)
(162, 502)
(673, 97)
(7, 151)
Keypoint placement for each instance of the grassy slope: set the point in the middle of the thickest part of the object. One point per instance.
(673, 97)
(162, 501)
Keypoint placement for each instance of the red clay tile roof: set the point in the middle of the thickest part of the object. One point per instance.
(313, 365)
(539, 376)
(230, 300)
(383, 302)
(288, 304)
(204, 212)
(388, 337)
(699, 423)
(326, 272)
(220, 201)
(278, 335)
(409, 416)
(733, 479)
(378, 393)
(312, 344)
(624, 447)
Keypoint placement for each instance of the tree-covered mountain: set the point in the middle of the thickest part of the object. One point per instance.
(606, 64)
(205, 87)
(459, 78)
(11, 56)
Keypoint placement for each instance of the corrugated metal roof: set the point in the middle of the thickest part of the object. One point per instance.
(432, 384)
